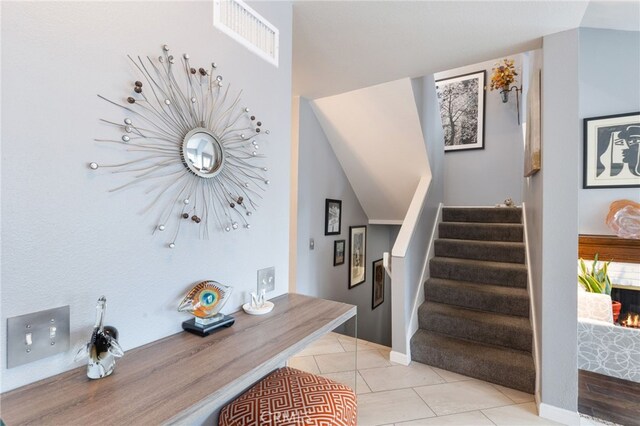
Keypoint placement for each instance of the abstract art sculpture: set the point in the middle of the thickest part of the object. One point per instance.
(102, 349)
(624, 219)
(204, 302)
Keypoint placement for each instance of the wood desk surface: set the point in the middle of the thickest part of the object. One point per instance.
(181, 377)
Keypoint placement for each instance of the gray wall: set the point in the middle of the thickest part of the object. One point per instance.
(65, 239)
(609, 84)
(320, 176)
(552, 220)
(558, 213)
(532, 197)
(486, 177)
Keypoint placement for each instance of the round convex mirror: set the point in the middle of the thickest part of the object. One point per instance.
(202, 153)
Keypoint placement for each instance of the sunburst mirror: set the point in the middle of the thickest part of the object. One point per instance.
(193, 144)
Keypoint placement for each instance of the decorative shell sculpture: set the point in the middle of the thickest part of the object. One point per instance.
(624, 219)
(205, 299)
(103, 348)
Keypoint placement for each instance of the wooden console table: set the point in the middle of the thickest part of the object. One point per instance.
(182, 378)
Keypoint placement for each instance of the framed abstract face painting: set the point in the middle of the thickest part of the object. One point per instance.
(612, 151)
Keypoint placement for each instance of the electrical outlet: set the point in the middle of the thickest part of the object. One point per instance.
(37, 335)
(267, 279)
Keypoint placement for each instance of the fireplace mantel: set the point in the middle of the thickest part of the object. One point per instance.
(609, 248)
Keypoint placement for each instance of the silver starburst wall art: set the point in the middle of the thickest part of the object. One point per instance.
(192, 143)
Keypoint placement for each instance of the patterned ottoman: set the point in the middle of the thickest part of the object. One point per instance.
(290, 397)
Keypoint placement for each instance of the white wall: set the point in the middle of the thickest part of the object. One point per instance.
(320, 176)
(609, 84)
(488, 176)
(65, 239)
(408, 269)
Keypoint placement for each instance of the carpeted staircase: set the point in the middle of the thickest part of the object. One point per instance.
(475, 320)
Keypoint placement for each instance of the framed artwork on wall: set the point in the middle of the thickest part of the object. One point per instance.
(532, 145)
(357, 255)
(461, 100)
(612, 151)
(332, 217)
(377, 295)
(338, 252)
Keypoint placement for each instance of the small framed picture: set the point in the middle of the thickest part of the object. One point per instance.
(338, 252)
(612, 151)
(377, 296)
(357, 255)
(461, 100)
(332, 217)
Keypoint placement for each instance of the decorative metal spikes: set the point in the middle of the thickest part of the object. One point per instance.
(170, 100)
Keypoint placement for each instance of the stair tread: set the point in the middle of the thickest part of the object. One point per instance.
(491, 318)
(505, 366)
(481, 263)
(497, 290)
(472, 349)
(478, 296)
(514, 244)
(486, 224)
(483, 214)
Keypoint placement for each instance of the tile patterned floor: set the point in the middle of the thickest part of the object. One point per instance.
(417, 394)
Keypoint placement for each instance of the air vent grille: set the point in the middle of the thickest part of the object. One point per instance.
(246, 26)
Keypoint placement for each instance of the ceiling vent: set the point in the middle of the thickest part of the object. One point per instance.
(245, 25)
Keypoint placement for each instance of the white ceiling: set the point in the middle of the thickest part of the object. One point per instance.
(345, 45)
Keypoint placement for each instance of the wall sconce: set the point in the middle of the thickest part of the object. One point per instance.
(504, 94)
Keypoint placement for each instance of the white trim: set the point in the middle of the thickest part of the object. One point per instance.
(472, 207)
(560, 415)
(411, 218)
(532, 310)
(386, 262)
(385, 222)
(399, 358)
(419, 296)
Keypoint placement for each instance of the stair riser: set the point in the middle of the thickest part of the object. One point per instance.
(468, 250)
(485, 274)
(505, 375)
(483, 215)
(477, 300)
(480, 232)
(460, 328)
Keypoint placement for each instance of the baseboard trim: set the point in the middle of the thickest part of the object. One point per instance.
(559, 415)
(399, 358)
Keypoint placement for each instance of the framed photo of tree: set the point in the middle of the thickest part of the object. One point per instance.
(377, 296)
(338, 252)
(357, 255)
(461, 100)
(332, 216)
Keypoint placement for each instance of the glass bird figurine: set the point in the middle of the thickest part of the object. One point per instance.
(103, 348)
(204, 301)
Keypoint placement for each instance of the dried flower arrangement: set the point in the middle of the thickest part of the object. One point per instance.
(504, 74)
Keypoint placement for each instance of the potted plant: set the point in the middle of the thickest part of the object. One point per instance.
(597, 281)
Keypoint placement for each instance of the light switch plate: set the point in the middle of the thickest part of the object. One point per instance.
(267, 279)
(48, 332)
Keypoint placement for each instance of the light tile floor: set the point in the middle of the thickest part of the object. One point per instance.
(417, 394)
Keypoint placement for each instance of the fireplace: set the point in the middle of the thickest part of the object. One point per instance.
(630, 299)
